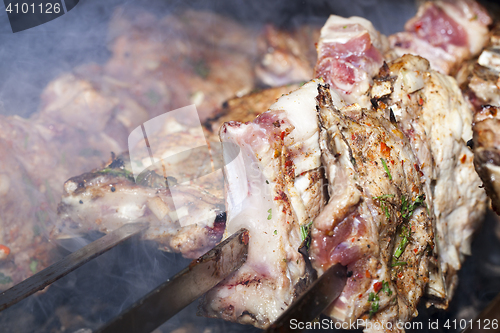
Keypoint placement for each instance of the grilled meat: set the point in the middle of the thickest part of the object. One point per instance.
(273, 188)
(486, 130)
(183, 218)
(483, 90)
(349, 56)
(444, 32)
(178, 189)
(375, 222)
(429, 109)
(481, 76)
(286, 56)
(244, 108)
(39, 154)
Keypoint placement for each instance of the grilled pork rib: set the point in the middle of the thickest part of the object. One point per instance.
(273, 188)
(429, 109)
(368, 224)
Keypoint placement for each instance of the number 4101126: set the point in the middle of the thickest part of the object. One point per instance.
(485, 324)
(25, 8)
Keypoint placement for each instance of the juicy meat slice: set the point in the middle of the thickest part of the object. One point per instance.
(428, 107)
(183, 217)
(486, 130)
(444, 32)
(273, 187)
(244, 108)
(367, 224)
(349, 56)
(286, 56)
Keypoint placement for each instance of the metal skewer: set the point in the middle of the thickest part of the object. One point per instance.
(68, 264)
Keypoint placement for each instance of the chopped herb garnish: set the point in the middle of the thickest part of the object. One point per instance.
(270, 211)
(385, 288)
(345, 26)
(386, 168)
(275, 232)
(4, 279)
(405, 235)
(374, 299)
(118, 172)
(33, 266)
(384, 196)
(398, 263)
(407, 208)
(383, 203)
(304, 232)
(267, 181)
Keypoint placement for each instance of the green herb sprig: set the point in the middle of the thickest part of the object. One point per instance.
(374, 299)
(386, 168)
(384, 203)
(304, 232)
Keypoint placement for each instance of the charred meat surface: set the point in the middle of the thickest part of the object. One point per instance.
(429, 109)
(273, 188)
(487, 151)
(183, 218)
(375, 222)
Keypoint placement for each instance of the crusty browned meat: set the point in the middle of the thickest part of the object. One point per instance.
(375, 222)
(429, 109)
(486, 130)
(245, 108)
(183, 218)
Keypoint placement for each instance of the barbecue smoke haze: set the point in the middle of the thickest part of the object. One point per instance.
(61, 50)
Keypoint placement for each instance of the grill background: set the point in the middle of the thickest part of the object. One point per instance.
(100, 289)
